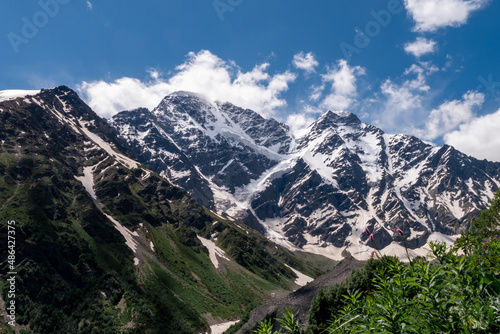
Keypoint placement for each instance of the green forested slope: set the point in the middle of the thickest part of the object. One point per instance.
(76, 274)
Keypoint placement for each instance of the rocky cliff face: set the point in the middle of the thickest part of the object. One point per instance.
(317, 192)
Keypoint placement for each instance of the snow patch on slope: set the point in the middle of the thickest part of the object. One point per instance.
(125, 232)
(363, 252)
(88, 182)
(301, 278)
(222, 328)
(245, 193)
(214, 251)
(129, 163)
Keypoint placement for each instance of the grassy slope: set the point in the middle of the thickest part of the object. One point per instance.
(75, 273)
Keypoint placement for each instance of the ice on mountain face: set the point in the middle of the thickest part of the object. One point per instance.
(176, 175)
(363, 252)
(319, 163)
(6, 95)
(213, 121)
(147, 174)
(367, 146)
(320, 192)
(341, 113)
(198, 96)
(267, 133)
(244, 194)
(219, 147)
(452, 202)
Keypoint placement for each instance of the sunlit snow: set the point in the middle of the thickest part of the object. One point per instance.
(214, 251)
(12, 94)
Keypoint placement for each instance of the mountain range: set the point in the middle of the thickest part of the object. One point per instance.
(179, 218)
(103, 244)
(318, 191)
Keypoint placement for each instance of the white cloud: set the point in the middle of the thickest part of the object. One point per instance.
(107, 99)
(430, 15)
(404, 106)
(422, 71)
(343, 90)
(449, 115)
(316, 92)
(154, 74)
(203, 73)
(403, 102)
(478, 137)
(89, 5)
(406, 96)
(298, 123)
(305, 62)
(421, 47)
(401, 97)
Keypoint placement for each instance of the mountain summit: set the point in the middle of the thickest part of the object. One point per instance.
(317, 192)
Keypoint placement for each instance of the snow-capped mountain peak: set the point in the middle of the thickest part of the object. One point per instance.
(320, 192)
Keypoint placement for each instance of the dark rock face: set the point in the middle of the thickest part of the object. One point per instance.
(199, 146)
(321, 189)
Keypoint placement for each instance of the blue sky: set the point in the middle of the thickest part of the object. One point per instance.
(424, 67)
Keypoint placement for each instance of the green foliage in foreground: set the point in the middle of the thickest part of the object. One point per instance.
(288, 323)
(456, 292)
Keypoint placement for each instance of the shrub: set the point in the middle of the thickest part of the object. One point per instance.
(458, 291)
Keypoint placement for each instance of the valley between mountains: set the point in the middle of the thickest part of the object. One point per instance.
(176, 219)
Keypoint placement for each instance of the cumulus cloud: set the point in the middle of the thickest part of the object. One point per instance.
(401, 97)
(430, 15)
(343, 85)
(203, 73)
(478, 137)
(449, 115)
(298, 123)
(109, 98)
(316, 92)
(154, 74)
(406, 95)
(421, 47)
(305, 62)
(402, 101)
